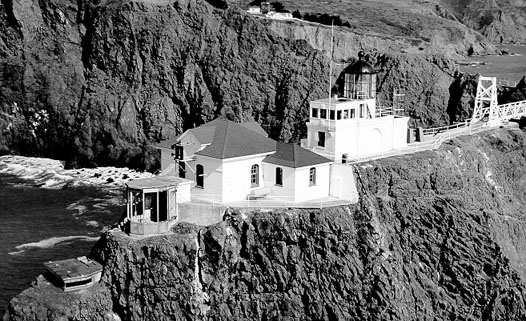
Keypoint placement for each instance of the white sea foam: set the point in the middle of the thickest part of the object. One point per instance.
(92, 223)
(76, 206)
(16, 252)
(50, 242)
(50, 173)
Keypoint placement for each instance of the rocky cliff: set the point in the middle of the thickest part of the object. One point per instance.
(437, 235)
(404, 25)
(500, 21)
(467, 26)
(97, 83)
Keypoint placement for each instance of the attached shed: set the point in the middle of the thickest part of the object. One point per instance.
(153, 201)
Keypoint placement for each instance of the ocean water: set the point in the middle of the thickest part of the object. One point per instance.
(41, 224)
(508, 67)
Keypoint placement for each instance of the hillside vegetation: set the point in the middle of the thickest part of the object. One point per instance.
(499, 21)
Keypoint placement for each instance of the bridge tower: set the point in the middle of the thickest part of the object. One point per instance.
(486, 100)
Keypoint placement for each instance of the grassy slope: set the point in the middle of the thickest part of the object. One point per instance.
(409, 18)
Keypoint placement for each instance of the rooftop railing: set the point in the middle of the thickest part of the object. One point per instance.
(432, 144)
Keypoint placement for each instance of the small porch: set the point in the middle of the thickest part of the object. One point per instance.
(152, 203)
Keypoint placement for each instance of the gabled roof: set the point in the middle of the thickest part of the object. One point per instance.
(205, 133)
(167, 143)
(234, 140)
(255, 127)
(294, 156)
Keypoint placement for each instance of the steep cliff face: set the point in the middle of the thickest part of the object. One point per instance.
(97, 83)
(435, 236)
(347, 42)
(407, 25)
(467, 26)
(500, 21)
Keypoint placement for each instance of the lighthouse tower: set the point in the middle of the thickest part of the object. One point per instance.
(349, 126)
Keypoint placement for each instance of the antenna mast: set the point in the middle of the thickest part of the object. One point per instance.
(330, 72)
(330, 59)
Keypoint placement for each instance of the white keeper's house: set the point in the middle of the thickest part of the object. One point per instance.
(231, 162)
(223, 162)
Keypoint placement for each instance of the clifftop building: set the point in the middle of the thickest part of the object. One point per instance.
(227, 164)
(351, 125)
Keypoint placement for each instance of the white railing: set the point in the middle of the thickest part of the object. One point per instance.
(432, 144)
(512, 110)
(437, 130)
(275, 201)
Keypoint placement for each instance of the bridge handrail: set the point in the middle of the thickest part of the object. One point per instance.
(510, 110)
(435, 130)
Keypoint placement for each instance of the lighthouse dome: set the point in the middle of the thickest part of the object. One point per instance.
(360, 67)
(358, 81)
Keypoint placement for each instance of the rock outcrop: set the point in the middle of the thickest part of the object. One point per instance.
(97, 83)
(437, 235)
(453, 40)
(500, 21)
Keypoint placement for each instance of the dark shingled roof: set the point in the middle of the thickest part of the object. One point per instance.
(234, 140)
(294, 156)
(205, 133)
(255, 127)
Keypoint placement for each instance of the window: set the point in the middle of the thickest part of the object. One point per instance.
(321, 139)
(339, 115)
(179, 152)
(323, 113)
(279, 176)
(344, 158)
(353, 113)
(331, 112)
(199, 176)
(312, 176)
(362, 110)
(314, 113)
(254, 176)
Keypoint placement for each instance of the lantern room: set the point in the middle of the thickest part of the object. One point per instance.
(359, 81)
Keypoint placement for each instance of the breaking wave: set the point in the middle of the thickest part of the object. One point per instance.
(50, 242)
(50, 173)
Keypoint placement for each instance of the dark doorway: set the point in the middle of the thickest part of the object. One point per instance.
(150, 205)
(199, 176)
(163, 206)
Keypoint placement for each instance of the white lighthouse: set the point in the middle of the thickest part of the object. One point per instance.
(350, 125)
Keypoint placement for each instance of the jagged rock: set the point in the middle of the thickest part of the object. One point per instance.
(500, 21)
(436, 235)
(97, 83)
